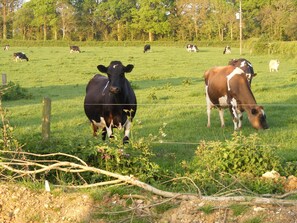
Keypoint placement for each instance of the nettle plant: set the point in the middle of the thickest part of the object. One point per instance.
(134, 158)
(242, 159)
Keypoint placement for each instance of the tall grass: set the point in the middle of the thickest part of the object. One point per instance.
(169, 87)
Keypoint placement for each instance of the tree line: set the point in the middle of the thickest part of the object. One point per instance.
(147, 20)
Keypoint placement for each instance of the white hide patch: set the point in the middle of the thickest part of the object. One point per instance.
(236, 71)
(223, 101)
(102, 124)
(234, 107)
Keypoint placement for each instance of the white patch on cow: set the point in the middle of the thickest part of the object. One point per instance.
(109, 129)
(102, 125)
(232, 74)
(114, 66)
(209, 106)
(249, 76)
(234, 107)
(105, 88)
(242, 64)
(223, 101)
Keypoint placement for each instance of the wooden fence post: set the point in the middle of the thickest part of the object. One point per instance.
(4, 79)
(46, 118)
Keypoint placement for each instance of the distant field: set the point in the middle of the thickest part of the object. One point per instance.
(169, 88)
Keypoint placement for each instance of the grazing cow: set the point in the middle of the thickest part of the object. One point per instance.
(228, 87)
(246, 66)
(147, 48)
(110, 101)
(273, 65)
(20, 56)
(192, 48)
(74, 49)
(6, 47)
(227, 50)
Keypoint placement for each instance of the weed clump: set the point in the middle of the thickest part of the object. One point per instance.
(236, 163)
(13, 91)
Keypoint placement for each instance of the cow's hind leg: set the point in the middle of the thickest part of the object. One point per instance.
(95, 128)
(103, 134)
(221, 114)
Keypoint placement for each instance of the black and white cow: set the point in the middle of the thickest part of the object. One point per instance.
(74, 49)
(146, 48)
(6, 47)
(246, 66)
(192, 48)
(20, 56)
(228, 87)
(110, 102)
(227, 50)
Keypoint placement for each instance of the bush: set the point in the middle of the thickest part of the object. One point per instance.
(242, 159)
(13, 91)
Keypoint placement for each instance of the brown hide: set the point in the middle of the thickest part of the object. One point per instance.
(237, 98)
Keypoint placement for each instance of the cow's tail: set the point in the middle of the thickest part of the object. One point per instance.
(206, 74)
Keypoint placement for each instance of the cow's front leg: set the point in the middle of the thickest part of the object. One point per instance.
(127, 127)
(234, 112)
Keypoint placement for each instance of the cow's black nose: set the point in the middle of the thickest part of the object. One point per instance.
(114, 90)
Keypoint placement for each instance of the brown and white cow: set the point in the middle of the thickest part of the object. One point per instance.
(228, 87)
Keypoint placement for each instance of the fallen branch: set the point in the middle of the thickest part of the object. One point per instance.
(36, 167)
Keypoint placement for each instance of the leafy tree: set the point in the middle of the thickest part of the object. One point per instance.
(274, 18)
(151, 17)
(66, 14)
(7, 9)
(22, 21)
(44, 12)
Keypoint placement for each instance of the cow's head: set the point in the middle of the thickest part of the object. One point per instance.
(116, 75)
(257, 117)
(246, 66)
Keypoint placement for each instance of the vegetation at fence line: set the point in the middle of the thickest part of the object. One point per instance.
(241, 159)
(147, 20)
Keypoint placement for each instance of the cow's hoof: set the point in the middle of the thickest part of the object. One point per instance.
(125, 140)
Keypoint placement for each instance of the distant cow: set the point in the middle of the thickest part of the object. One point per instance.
(192, 48)
(74, 49)
(246, 66)
(20, 56)
(273, 65)
(227, 87)
(110, 101)
(6, 47)
(146, 48)
(227, 50)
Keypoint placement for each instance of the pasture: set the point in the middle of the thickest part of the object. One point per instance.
(169, 86)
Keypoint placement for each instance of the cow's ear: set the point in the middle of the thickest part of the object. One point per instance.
(255, 74)
(129, 68)
(102, 68)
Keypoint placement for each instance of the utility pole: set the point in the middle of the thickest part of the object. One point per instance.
(240, 28)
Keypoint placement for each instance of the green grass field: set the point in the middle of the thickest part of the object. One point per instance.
(169, 88)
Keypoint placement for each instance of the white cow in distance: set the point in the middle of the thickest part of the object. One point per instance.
(273, 65)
